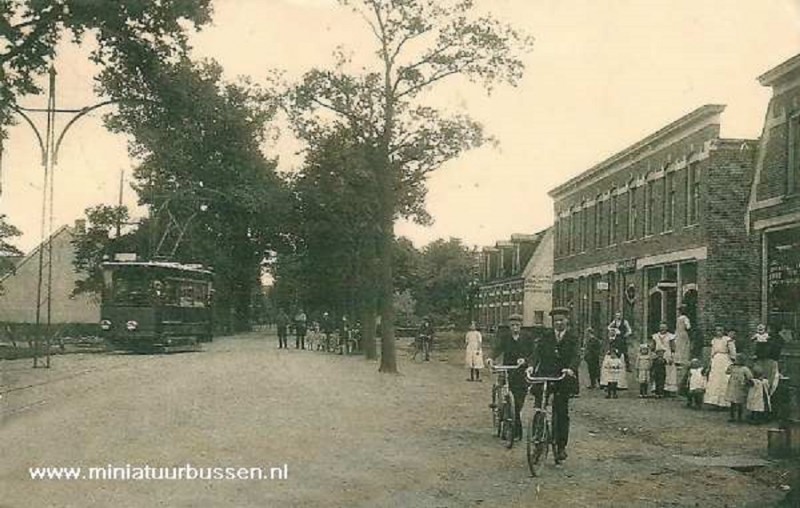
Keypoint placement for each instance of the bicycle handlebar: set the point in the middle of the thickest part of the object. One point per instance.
(539, 380)
(504, 368)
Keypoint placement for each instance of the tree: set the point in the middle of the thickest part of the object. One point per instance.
(7, 249)
(420, 43)
(215, 197)
(99, 242)
(445, 275)
(30, 30)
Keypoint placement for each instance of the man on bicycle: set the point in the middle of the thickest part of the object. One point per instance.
(426, 337)
(515, 350)
(555, 354)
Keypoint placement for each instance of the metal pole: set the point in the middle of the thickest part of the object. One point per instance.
(52, 161)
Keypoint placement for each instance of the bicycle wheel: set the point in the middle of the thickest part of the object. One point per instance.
(538, 441)
(509, 420)
(495, 407)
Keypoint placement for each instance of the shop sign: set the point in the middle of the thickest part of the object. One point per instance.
(602, 286)
(626, 265)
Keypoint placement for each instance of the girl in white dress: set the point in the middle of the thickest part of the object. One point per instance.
(665, 341)
(474, 355)
(723, 352)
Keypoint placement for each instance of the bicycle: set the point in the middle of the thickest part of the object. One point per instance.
(502, 406)
(540, 433)
(422, 344)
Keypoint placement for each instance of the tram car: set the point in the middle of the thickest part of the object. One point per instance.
(156, 306)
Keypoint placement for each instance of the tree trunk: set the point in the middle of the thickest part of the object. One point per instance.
(368, 321)
(385, 280)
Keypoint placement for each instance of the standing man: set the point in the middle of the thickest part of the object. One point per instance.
(326, 323)
(300, 329)
(282, 323)
(426, 332)
(591, 352)
(556, 354)
(516, 350)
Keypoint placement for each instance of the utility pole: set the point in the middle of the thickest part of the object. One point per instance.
(49, 150)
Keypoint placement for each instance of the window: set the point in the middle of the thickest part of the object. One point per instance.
(571, 233)
(598, 230)
(631, 211)
(669, 201)
(584, 226)
(793, 168)
(612, 220)
(538, 317)
(649, 207)
(692, 194)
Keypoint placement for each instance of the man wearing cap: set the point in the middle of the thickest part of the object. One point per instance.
(516, 350)
(555, 354)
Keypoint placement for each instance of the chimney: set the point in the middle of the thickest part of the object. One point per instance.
(80, 226)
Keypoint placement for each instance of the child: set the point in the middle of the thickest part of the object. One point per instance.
(613, 368)
(758, 401)
(738, 385)
(658, 370)
(697, 385)
(643, 362)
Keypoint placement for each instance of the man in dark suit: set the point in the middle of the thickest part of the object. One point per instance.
(516, 350)
(558, 353)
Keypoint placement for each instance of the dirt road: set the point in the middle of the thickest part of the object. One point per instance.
(347, 435)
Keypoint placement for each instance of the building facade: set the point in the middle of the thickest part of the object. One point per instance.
(19, 288)
(774, 208)
(657, 226)
(516, 278)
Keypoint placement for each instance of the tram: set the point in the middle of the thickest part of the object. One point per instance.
(156, 306)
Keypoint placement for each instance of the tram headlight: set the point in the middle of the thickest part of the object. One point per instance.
(131, 325)
(105, 325)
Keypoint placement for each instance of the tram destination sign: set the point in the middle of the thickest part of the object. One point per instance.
(626, 265)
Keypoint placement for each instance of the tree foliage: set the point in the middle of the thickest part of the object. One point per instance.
(7, 248)
(419, 44)
(446, 269)
(30, 30)
(99, 241)
(214, 196)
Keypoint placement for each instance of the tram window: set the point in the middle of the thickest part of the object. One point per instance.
(130, 289)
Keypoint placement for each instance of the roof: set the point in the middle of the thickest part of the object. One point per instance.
(162, 264)
(704, 115)
(780, 71)
(32, 254)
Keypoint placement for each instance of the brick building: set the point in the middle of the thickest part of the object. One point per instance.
(516, 278)
(18, 296)
(774, 209)
(658, 225)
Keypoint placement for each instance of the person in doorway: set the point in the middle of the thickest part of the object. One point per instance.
(282, 324)
(474, 354)
(663, 340)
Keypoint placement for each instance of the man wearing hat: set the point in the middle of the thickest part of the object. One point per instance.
(555, 354)
(516, 350)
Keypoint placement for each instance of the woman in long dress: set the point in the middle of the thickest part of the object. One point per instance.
(723, 352)
(683, 347)
(474, 355)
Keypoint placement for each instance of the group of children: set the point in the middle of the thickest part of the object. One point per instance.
(746, 388)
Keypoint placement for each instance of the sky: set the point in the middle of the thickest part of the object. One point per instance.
(602, 74)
